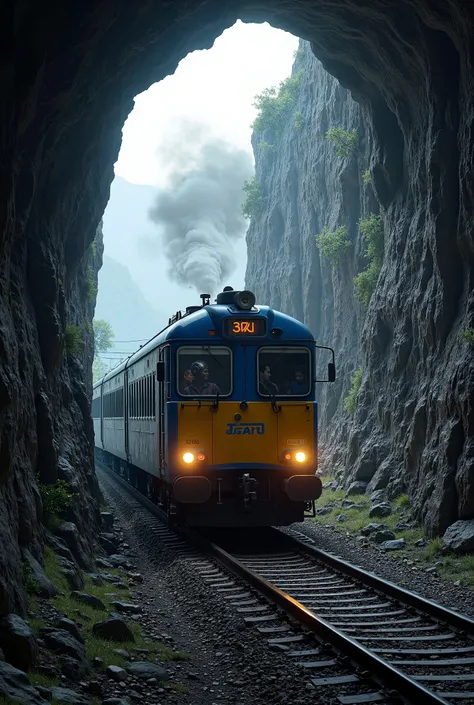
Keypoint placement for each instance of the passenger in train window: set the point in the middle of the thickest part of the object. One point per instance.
(200, 386)
(266, 386)
(300, 383)
(187, 379)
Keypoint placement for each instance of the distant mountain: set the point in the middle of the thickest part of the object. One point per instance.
(121, 302)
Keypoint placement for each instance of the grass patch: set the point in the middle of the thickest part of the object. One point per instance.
(43, 679)
(96, 647)
(451, 567)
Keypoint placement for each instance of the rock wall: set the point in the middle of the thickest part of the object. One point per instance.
(46, 431)
(413, 426)
(69, 75)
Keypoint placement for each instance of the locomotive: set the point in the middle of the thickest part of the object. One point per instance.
(215, 418)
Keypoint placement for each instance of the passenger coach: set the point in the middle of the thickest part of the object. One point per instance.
(215, 417)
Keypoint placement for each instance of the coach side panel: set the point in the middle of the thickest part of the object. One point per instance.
(142, 414)
(113, 408)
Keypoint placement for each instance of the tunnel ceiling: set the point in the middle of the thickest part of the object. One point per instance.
(79, 66)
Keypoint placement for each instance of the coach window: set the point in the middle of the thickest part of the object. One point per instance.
(284, 371)
(204, 371)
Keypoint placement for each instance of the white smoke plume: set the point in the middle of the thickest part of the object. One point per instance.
(199, 214)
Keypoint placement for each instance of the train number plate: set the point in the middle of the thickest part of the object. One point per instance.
(296, 442)
(192, 443)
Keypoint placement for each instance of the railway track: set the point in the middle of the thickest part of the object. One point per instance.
(357, 637)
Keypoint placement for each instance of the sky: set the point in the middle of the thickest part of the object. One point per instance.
(214, 87)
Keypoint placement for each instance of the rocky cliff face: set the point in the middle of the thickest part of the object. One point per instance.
(413, 422)
(69, 75)
(46, 433)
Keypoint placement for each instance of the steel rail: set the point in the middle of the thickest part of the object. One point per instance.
(433, 609)
(380, 670)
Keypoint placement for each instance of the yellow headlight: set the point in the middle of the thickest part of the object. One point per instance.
(188, 457)
(300, 457)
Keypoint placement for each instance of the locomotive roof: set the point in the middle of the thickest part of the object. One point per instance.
(195, 326)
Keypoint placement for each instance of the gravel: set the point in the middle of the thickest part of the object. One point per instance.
(229, 662)
(393, 567)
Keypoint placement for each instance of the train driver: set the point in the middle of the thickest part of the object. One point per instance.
(200, 384)
(266, 387)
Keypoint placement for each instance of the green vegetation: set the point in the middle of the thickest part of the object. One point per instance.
(95, 646)
(350, 402)
(56, 498)
(275, 105)
(103, 336)
(103, 340)
(90, 285)
(373, 230)
(451, 567)
(298, 121)
(366, 177)
(467, 335)
(266, 146)
(73, 340)
(345, 142)
(333, 243)
(254, 200)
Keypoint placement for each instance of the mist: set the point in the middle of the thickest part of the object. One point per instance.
(199, 213)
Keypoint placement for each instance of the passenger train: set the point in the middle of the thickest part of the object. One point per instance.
(215, 418)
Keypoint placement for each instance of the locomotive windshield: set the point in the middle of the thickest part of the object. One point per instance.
(284, 371)
(204, 371)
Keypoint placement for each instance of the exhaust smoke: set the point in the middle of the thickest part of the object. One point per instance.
(199, 213)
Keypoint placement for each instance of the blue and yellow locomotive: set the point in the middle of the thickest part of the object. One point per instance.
(215, 417)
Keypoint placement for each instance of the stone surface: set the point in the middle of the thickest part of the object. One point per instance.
(380, 510)
(70, 626)
(41, 583)
(63, 642)
(459, 537)
(393, 545)
(116, 673)
(107, 519)
(17, 642)
(372, 528)
(114, 629)
(357, 487)
(16, 684)
(87, 599)
(381, 536)
(69, 532)
(65, 696)
(145, 670)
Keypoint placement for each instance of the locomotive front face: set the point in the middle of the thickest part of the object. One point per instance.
(245, 450)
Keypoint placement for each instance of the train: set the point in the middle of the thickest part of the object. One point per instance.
(215, 418)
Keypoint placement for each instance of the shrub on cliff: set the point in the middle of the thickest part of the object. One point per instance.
(366, 281)
(467, 335)
(55, 498)
(254, 202)
(333, 243)
(275, 105)
(72, 340)
(344, 141)
(350, 402)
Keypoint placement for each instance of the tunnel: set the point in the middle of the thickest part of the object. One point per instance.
(69, 84)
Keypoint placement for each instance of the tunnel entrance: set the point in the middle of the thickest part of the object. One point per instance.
(77, 69)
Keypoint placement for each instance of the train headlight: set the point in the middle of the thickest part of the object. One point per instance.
(188, 458)
(300, 457)
(287, 456)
